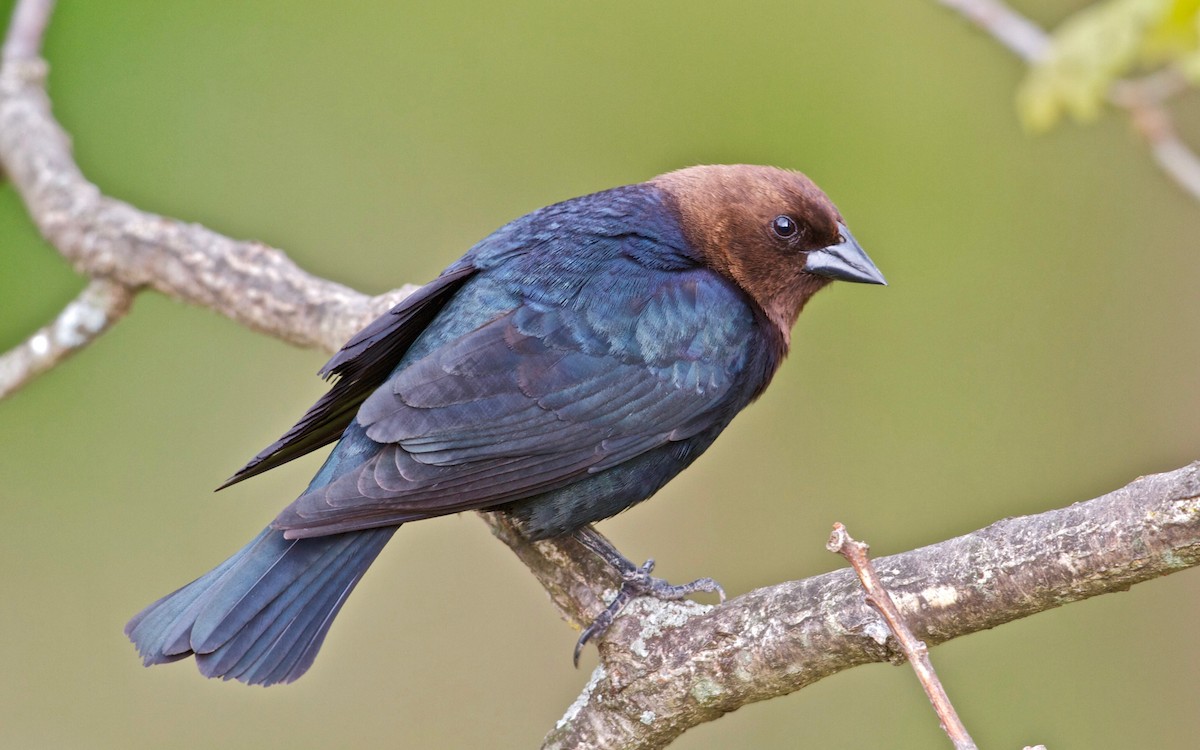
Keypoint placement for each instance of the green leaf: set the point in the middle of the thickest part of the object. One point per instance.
(1097, 45)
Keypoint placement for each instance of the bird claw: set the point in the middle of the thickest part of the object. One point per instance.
(638, 582)
(598, 627)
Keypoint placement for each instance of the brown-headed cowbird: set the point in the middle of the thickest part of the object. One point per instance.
(564, 369)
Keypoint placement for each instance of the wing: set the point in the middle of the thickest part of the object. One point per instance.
(361, 366)
(547, 252)
(543, 396)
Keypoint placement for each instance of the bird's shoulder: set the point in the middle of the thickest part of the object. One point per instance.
(634, 222)
(613, 267)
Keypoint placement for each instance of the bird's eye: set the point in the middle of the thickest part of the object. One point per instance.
(784, 226)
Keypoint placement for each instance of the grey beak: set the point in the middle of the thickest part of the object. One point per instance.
(845, 261)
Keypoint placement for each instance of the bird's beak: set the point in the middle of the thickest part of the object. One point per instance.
(845, 261)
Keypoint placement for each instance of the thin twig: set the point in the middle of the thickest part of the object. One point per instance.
(914, 649)
(100, 305)
(26, 30)
(1023, 37)
(1141, 98)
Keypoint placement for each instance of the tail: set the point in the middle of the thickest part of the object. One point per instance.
(259, 617)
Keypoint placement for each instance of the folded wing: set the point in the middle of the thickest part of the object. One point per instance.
(535, 399)
(361, 366)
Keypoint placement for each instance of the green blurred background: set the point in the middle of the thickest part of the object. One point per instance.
(1039, 344)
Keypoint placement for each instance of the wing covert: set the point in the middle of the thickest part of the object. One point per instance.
(538, 398)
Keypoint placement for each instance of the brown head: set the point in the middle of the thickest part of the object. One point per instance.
(771, 231)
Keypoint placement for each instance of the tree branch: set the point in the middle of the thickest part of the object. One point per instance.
(26, 30)
(97, 308)
(251, 283)
(673, 665)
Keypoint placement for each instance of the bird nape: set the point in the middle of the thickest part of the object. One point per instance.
(564, 369)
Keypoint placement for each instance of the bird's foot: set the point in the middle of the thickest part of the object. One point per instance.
(635, 581)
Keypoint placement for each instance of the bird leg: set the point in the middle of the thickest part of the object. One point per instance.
(635, 581)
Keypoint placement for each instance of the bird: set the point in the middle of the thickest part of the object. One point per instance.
(564, 369)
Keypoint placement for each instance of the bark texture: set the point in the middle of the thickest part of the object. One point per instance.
(668, 667)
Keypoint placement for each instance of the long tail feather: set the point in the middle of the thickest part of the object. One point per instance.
(261, 616)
